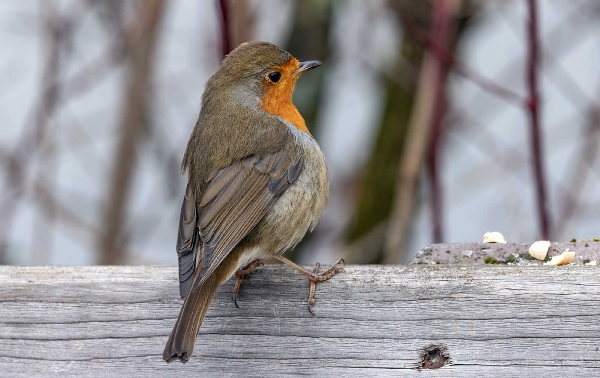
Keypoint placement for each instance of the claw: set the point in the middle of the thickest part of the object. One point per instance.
(311, 297)
(314, 276)
(240, 274)
(320, 277)
(236, 289)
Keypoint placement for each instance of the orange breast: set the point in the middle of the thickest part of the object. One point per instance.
(278, 97)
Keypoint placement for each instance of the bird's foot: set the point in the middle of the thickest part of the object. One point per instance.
(240, 274)
(315, 277)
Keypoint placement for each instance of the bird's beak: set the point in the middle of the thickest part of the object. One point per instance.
(305, 66)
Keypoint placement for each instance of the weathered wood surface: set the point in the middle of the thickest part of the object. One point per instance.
(372, 321)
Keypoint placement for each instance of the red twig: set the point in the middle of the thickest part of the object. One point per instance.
(441, 18)
(449, 59)
(533, 105)
(568, 27)
(225, 38)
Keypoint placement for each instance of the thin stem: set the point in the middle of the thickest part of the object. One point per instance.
(225, 38)
(133, 121)
(533, 106)
(449, 59)
(417, 144)
(441, 16)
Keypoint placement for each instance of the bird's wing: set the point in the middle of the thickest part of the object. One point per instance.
(187, 240)
(237, 198)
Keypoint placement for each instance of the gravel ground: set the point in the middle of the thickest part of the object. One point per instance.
(586, 252)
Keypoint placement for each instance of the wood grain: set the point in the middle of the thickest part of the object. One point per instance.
(372, 321)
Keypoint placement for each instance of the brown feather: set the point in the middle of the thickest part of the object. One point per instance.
(240, 204)
(187, 238)
(180, 345)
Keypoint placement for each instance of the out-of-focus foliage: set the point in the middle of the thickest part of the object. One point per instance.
(99, 97)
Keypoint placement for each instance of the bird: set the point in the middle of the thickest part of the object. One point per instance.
(257, 183)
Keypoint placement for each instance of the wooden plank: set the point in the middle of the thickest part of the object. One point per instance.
(372, 321)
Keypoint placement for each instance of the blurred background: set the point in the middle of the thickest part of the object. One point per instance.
(440, 120)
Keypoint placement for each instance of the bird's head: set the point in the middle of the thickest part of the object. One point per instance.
(263, 71)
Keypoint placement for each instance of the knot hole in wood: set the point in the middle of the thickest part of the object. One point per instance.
(434, 357)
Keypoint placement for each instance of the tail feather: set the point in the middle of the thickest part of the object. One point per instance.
(187, 266)
(180, 345)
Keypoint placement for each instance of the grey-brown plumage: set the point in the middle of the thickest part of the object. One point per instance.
(257, 182)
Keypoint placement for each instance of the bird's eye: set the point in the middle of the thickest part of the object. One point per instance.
(274, 76)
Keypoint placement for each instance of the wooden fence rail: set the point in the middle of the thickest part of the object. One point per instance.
(372, 321)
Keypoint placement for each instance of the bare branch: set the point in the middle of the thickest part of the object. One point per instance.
(225, 27)
(418, 134)
(133, 119)
(444, 55)
(442, 17)
(533, 105)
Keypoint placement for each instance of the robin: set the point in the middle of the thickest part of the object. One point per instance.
(257, 182)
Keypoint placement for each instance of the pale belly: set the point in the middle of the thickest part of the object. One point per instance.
(295, 212)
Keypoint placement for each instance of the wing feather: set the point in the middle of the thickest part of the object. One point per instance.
(236, 200)
(187, 239)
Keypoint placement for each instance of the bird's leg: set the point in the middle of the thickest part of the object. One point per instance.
(240, 274)
(314, 276)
